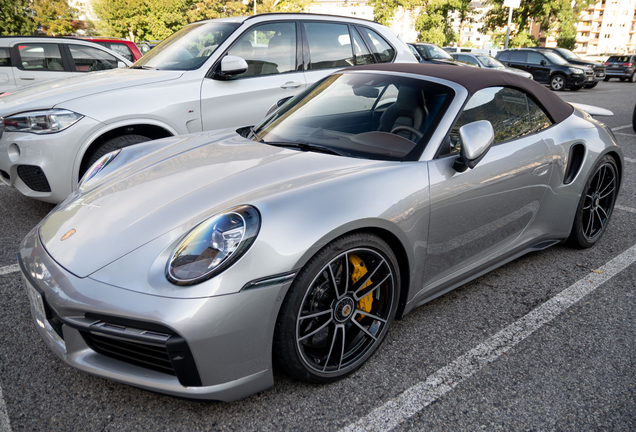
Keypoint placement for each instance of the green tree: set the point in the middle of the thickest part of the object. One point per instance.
(16, 18)
(384, 10)
(56, 16)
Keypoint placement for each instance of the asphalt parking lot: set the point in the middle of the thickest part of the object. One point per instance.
(547, 342)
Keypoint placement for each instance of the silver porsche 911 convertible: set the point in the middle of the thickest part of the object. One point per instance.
(188, 265)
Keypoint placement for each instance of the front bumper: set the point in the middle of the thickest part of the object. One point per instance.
(43, 166)
(218, 348)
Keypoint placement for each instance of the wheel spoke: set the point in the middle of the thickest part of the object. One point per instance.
(600, 178)
(317, 330)
(317, 314)
(600, 217)
(332, 281)
(364, 330)
(363, 292)
(602, 193)
(342, 350)
(367, 314)
(590, 225)
(333, 342)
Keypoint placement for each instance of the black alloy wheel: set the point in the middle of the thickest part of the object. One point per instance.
(338, 310)
(596, 204)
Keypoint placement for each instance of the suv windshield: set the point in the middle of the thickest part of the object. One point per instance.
(356, 114)
(188, 48)
(490, 62)
(555, 58)
(433, 52)
(567, 54)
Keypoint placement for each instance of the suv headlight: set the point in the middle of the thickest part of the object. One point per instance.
(213, 245)
(576, 71)
(41, 122)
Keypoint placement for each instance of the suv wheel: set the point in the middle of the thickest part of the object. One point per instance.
(633, 77)
(557, 82)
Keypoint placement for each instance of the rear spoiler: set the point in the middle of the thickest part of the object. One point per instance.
(593, 110)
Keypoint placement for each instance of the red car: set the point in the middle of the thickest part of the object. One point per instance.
(123, 47)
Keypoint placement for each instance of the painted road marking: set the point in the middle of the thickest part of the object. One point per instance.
(5, 426)
(624, 134)
(421, 395)
(617, 128)
(9, 269)
(628, 209)
(630, 160)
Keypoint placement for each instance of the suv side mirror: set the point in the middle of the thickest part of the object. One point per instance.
(476, 139)
(121, 65)
(231, 66)
(543, 63)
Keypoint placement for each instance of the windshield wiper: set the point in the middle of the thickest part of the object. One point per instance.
(307, 147)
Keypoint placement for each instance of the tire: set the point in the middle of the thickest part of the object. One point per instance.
(325, 330)
(622, 79)
(109, 146)
(633, 77)
(591, 86)
(606, 79)
(634, 119)
(596, 204)
(558, 82)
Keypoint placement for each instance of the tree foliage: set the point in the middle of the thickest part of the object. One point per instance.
(16, 18)
(56, 16)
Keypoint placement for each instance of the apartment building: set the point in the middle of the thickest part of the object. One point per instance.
(607, 27)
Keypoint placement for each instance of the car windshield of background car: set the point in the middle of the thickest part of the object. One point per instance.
(188, 48)
(555, 58)
(354, 114)
(490, 62)
(438, 53)
(568, 55)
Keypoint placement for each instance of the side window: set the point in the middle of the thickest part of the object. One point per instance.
(382, 48)
(504, 56)
(506, 109)
(5, 57)
(89, 59)
(123, 51)
(329, 45)
(469, 59)
(535, 58)
(361, 54)
(268, 49)
(538, 118)
(518, 56)
(40, 57)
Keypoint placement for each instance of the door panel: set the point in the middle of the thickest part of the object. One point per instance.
(481, 211)
(38, 62)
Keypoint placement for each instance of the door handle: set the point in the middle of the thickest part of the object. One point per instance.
(541, 170)
(290, 85)
(27, 78)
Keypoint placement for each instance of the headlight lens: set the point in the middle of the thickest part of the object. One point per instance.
(213, 245)
(97, 167)
(576, 71)
(41, 122)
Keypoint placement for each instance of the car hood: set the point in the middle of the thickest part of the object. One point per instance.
(51, 93)
(588, 63)
(181, 182)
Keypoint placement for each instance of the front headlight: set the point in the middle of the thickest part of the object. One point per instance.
(41, 122)
(97, 167)
(213, 245)
(576, 71)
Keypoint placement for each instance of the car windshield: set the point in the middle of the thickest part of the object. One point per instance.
(433, 52)
(567, 54)
(360, 115)
(555, 58)
(490, 62)
(188, 48)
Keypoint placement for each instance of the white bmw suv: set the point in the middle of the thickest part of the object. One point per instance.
(209, 75)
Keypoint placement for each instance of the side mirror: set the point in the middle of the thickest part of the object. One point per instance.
(277, 105)
(476, 139)
(543, 63)
(231, 66)
(121, 65)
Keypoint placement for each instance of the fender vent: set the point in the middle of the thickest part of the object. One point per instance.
(575, 161)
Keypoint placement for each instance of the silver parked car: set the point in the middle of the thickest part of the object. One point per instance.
(486, 61)
(184, 265)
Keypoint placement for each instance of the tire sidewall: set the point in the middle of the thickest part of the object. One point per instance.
(286, 348)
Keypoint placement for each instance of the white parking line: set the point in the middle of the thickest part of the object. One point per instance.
(617, 128)
(5, 426)
(421, 395)
(628, 209)
(9, 269)
(630, 160)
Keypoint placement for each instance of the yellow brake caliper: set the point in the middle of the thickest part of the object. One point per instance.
(359, 270)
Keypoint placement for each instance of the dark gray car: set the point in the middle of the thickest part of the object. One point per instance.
(622, 67)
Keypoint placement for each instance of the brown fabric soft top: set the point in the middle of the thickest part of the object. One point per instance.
(475, 79)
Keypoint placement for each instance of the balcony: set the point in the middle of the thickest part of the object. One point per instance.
(593, 42)
(586, 18)
(598, 19)
(585, 28)
(582, 39)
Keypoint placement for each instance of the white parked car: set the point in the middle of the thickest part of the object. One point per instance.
(27, 60)
(198, 79)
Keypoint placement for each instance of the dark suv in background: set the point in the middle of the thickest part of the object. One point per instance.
(548, 68)
(570, 57)
(622, 67)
